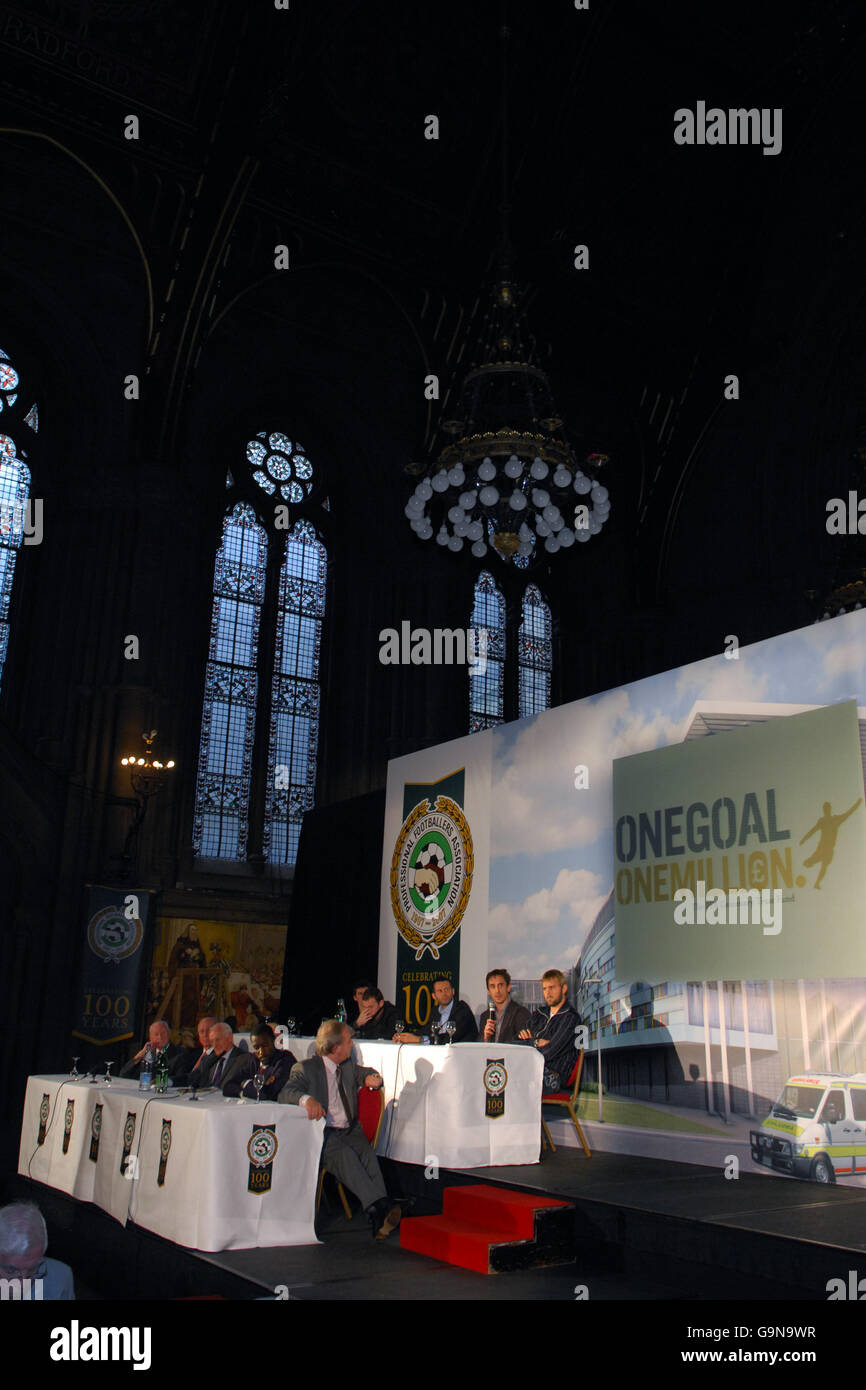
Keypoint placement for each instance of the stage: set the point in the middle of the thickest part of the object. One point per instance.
(642, 1229)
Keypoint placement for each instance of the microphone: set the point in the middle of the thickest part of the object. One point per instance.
(491, 1013)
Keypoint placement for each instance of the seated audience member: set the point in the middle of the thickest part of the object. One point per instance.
(359, 990)
(226, 1062)
(159, 1037)
(447, 1010)
(23, 1241)
(551, 1030)
(327, 1085)
(193, 1057)
(276, 1067)
(509, 1016)
(378, 1017)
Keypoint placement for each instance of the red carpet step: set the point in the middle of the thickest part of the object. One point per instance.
(493, 1230)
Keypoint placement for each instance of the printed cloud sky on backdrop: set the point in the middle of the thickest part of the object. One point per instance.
(550, 844)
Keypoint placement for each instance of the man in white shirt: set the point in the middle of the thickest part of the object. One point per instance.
(327, 1086)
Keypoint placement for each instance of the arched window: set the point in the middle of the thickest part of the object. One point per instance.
(14, 490)
(534, 654)
(286, 657)
(228, 721)
(294, 732)
(487, 684)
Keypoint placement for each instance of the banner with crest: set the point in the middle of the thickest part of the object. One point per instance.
(112, 974)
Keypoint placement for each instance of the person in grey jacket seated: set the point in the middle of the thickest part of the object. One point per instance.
(327, 1086)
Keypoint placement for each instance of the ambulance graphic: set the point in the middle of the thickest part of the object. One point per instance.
(817, 1127)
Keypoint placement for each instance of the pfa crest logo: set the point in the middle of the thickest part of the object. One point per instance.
(431, 875)
(113, 936)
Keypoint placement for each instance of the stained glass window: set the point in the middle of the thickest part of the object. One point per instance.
(14, 494)
(279, 463)
(487, 684)
(294, 733)
(228, 721)
(534, 653)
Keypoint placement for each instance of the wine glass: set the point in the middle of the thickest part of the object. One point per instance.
(108, 1067)
(258, 1082)
(74, 1074)
(399, 1026)
(435, 1030)
(450, 1029)
(290, 1024)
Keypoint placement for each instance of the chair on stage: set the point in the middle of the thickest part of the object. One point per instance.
(371, 1108)
(568, 1098)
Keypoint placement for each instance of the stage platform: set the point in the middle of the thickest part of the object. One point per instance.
(643, 1229)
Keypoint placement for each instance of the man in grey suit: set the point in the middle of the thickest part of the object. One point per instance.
(327, 1085)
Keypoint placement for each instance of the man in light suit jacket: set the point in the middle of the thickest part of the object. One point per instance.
(508, 1016)
(226, 1063)
(327, 1085)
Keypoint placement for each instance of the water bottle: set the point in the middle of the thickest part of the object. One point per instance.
(341, 1011)
(146, 1074)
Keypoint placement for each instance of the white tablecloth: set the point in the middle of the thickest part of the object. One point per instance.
(435, 1102)
(204, 1201)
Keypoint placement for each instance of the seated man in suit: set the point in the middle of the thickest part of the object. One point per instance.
(507, 1016)
(274, 1065)
(327, 1085)
(447, 1010)
(226, 1062)
(552, 1030)
(377, 1018)
(159, 1037)
(193, 1057)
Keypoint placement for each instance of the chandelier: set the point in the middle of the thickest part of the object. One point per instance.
(510, 480)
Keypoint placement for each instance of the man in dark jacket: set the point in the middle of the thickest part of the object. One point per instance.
(447, 1010)
(274, 1065)
(159, 1037)
(551, 1029)
(509, 1017)
(378, 1017)
(226, 1063)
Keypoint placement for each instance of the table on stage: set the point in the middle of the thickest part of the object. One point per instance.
(194, 1172)
(437, 1102)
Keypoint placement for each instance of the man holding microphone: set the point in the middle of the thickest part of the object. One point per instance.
(504, 1018)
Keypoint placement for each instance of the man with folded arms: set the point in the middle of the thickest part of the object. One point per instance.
(509, 1016)
(159, 1037)
(327, 1085)
(551, 1029)
(226, 1062)
(273, 1065)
